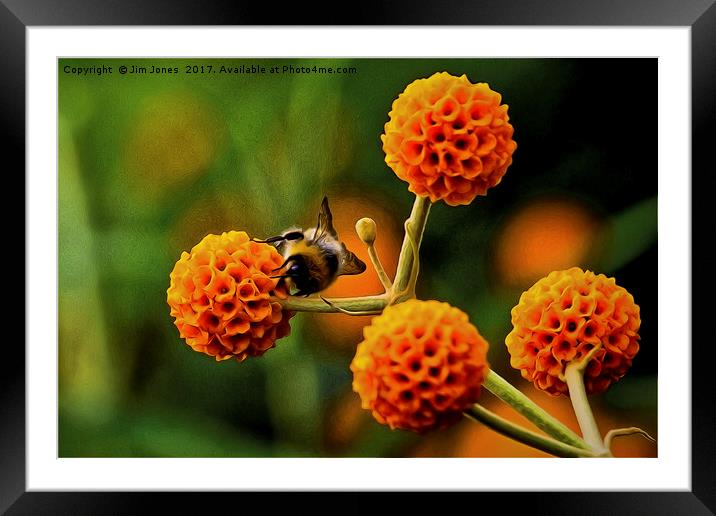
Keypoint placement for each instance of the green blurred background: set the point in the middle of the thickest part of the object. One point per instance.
(150, 163)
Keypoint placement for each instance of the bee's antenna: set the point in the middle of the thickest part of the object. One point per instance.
(269, 240)
(292, 235)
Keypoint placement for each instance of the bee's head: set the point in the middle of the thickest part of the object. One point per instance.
(298, 272)
(297, 266)
(296, 269)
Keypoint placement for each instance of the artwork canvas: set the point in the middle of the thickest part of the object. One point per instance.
(357, 257)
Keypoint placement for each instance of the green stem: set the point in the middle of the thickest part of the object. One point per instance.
(417, 220)
(516, 432)
(618, 432)
(574, 375)
(528, 408)
(374, 304)
(380, 271)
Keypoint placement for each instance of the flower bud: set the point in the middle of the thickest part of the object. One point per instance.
(366, 230)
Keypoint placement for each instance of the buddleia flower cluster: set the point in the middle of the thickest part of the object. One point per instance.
(449, 139)
(223, 298)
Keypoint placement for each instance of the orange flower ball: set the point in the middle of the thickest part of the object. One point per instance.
(421, 364)
(448, 138)
(563, 317)
(219, 295)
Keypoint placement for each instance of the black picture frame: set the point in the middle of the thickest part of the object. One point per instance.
(699, 15)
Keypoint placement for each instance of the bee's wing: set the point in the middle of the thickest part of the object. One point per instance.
(350, 264)
(325, 222)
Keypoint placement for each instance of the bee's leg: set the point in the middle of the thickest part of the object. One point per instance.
(286, 262)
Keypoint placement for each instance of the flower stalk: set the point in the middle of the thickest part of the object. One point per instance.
(520, 434)
(618, 432)
(375, 260)
(414, 227)
(533, 412)
(574, 375)
(367, 232)
(372, 304)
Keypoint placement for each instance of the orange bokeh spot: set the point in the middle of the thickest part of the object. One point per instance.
(542, 237)
(344, 421)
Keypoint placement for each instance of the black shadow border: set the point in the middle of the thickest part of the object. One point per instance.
(700, 15)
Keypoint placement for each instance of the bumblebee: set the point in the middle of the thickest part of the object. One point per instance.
(314, 258)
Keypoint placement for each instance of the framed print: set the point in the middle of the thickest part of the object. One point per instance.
(453, 257)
